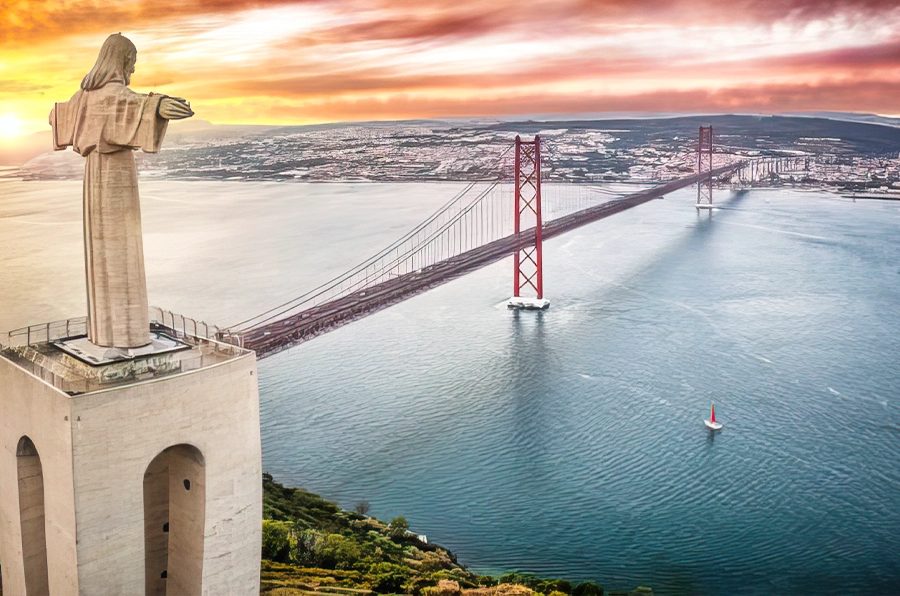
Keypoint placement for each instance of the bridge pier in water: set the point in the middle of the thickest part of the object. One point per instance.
(528, 271)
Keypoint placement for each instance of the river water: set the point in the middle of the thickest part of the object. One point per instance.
(570, 442)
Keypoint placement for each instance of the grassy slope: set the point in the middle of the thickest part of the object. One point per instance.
(311, 546)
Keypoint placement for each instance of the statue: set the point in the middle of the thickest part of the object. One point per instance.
(105, 122)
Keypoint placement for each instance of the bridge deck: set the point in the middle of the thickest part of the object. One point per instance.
(285, 333)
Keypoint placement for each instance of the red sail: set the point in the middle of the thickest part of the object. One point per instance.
(712, 413)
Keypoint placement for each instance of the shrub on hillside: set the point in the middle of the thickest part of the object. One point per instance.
(433, 562)
(444, 587)
(337, 552)
(512, 590)
(587, 589)
(387, 578)
(523, 579)
(554, 585)
(277, 540)
(398, 527)
(460, 576)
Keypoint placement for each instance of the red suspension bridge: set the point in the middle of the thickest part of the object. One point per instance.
(482, 224)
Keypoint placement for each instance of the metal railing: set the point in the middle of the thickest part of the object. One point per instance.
(187, 327)
(183, 326)
(191, 330)
(68, 328)
(38, 334)
(24, 346)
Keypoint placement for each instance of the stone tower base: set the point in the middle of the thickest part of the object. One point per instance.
(141, 480)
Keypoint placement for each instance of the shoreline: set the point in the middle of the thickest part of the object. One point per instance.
(311, 545)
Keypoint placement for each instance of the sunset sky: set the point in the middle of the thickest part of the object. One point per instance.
(324, 61)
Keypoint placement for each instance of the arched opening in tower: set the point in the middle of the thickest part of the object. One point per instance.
(31, 517)
(174, 522)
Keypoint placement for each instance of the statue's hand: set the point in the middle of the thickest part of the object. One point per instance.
(174, 108)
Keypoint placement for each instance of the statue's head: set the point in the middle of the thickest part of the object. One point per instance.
(114, 64)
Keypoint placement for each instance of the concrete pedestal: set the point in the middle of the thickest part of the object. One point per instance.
(142, 485)
(522, 303)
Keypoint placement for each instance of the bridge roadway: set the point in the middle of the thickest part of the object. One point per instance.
(282, 334)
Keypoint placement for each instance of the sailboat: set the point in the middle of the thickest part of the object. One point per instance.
(711, 423)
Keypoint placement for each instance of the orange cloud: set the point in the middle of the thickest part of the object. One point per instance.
(41, 20)
(277, 61)
(758, 99)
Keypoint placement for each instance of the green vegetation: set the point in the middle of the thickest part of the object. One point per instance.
(312, 546)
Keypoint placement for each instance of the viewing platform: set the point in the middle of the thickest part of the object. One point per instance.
(60, 354)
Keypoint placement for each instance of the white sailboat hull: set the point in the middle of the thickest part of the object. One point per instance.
(713, 425)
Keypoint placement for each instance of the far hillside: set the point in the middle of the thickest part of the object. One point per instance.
(619, 150)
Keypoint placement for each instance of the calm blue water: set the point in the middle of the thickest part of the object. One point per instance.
(570, 443)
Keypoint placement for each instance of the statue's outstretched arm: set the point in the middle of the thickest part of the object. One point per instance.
(174, 108)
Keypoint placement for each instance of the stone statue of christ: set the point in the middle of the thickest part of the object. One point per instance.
(104, 122)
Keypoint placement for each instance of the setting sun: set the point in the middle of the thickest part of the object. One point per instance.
(9, 126)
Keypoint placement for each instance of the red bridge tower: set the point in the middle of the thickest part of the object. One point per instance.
(705, 166)
(528, 271)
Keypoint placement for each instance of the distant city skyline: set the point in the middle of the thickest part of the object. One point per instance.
(277, 62)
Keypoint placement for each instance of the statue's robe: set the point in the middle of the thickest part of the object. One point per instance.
(105, 126)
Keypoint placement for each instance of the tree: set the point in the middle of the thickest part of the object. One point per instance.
(387, 578)
(398, 527)
(337, 552)
(276, 540)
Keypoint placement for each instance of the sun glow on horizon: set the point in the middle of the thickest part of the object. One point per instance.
(10, 127)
